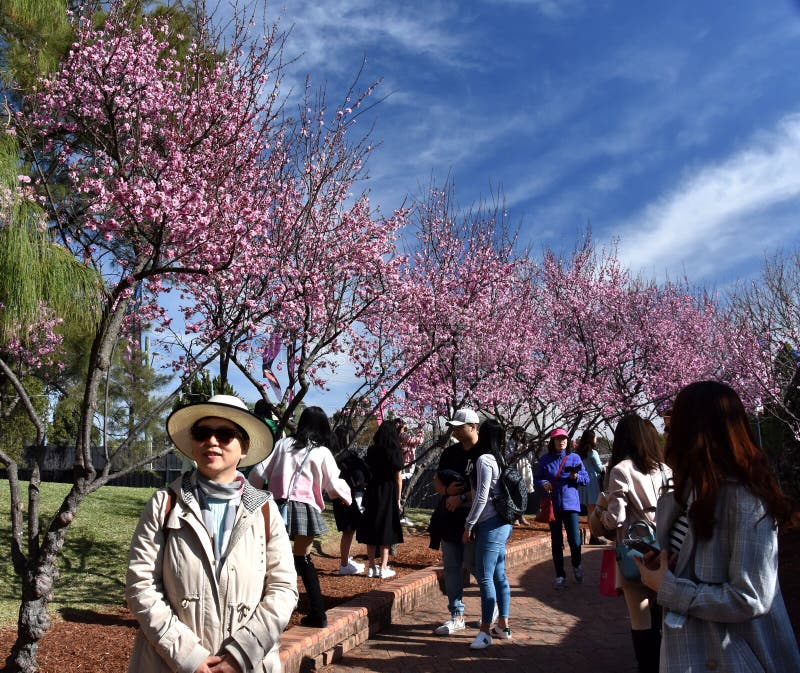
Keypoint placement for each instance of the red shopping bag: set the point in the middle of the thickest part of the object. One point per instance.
(608, 574)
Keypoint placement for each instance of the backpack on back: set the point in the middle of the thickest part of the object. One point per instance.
(354, 470)
(512, 497)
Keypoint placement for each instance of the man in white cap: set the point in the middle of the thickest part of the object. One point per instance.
(447, 523)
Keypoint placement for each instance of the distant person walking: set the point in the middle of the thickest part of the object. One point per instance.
(594, 468)
(380, 527)
(300, 469)
(356, 472)
(559, 473)
(637, 479)
(451, 482)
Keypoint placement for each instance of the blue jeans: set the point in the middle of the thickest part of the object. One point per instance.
(453, 556)
(490, 567)
(570, 522)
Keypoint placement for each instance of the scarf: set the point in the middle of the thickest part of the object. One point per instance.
(210, 493)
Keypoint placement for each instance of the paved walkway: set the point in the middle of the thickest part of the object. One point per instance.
(575, 630)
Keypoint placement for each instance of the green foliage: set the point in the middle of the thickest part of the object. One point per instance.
(131, 388)
(94, 560)
(16, 429)
(37, 34)
(35, 271)
(63, 429)
(200, 388)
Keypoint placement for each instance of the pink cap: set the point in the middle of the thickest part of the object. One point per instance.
(558, 432)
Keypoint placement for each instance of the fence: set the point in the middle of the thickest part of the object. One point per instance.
(56, 465)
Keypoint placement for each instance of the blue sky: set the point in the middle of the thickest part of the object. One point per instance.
(673, 127)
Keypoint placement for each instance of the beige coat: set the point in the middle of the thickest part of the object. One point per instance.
(631, 495)
(185, 614)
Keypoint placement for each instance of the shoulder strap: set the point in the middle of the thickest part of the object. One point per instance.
(561, 467)
(168, 507)
(296, 474)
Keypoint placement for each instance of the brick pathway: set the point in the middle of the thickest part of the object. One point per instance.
(572, 631)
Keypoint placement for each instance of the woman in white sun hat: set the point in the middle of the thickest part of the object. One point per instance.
(210, 573)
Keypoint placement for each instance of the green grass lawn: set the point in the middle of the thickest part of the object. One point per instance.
(93, 562)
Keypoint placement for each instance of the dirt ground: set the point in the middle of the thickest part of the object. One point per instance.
(100, 642)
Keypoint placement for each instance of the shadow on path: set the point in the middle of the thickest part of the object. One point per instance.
(553, 632)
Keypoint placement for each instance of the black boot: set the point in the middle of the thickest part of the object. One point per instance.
(647, 647)
(308, 573)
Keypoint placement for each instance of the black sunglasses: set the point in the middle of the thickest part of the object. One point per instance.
(200, 433)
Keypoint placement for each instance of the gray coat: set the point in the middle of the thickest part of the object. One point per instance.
(723, 606)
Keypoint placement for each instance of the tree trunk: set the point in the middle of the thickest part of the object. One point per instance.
(38, 577)
(32, 624)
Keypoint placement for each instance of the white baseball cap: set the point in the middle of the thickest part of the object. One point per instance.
(463, 417)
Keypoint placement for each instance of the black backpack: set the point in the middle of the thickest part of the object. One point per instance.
(512, 497)
(354, 469)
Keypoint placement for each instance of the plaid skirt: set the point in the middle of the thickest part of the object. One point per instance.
(302, 519)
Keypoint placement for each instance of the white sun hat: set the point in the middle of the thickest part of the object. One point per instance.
(231, 408)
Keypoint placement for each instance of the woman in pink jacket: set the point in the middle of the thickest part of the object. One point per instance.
(297, 473)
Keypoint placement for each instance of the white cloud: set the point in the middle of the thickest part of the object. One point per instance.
(330, 34)
(552, 9)
(720, 214)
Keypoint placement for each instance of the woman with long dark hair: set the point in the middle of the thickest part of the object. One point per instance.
(380, 527)
(490, 534)
(717, 573)
(297, 473)
(637, 479)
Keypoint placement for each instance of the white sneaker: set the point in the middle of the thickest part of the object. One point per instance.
(373, 572)
(450, 626)
(560, 583)
(502, 634)
(405, 521)
(386, 574)
(481, 642)
(351, 568)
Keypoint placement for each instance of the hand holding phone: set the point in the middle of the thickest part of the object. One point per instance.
(641, 546)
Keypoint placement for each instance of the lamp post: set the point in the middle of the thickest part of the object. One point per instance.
(759, 411)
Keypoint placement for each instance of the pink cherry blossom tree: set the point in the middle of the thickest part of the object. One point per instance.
(167, 167)
(326, 261)
(604, 343)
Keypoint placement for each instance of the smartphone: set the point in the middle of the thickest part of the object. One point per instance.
(641, 546)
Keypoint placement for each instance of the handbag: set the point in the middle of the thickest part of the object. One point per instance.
(639, 533)
(546, 512)
(608, 584)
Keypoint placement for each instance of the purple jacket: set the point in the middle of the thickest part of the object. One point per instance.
(565, 494)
